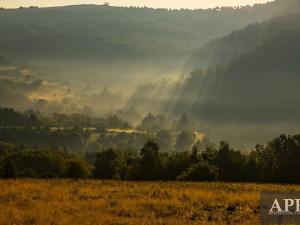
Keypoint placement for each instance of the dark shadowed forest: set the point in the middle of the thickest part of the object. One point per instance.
(77, 146)
(150, 94)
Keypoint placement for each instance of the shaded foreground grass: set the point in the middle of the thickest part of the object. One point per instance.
(124, 203)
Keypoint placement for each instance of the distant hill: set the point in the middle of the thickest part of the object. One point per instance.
(258, 83)
(224, 50)
(111, 33)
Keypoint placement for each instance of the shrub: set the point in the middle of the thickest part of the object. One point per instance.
(77, 168)
(202, 171)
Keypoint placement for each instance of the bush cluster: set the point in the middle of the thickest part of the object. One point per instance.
(277, 162)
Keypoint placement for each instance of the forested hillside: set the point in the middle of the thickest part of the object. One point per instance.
(106, 32)
(103, 60)
(256, 85)
(227, 49)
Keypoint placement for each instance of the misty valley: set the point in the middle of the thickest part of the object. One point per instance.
(88, 78)
(136, 115)
(232, 71)
(90, 81)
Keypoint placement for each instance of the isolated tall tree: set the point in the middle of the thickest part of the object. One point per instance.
(9, 169)
(149, 164)
(106, 164)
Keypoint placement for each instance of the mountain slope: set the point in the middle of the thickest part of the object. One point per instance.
(224, 50)
(114, 32)
(261, 84)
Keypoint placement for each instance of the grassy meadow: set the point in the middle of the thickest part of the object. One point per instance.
(125, 203)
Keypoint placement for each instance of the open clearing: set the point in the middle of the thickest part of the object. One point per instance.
(124, 203)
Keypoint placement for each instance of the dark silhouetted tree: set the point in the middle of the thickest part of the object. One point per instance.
(9, 169)
(106, 165)
(149, 165)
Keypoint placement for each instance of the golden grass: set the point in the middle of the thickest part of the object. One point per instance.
(87, 202)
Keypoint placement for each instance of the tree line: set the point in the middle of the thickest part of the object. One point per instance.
(12, 118)
(276, 162)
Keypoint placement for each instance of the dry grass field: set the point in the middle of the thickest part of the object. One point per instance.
(124, 203)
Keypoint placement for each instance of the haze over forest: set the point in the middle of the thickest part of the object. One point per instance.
(232, 73)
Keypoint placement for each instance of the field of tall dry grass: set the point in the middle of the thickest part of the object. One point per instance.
(87, 202)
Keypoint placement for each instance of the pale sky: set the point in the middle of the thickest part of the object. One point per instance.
(150, 3)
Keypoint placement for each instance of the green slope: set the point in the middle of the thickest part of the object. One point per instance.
(89, 31)
(224, 50)
(261, 84)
